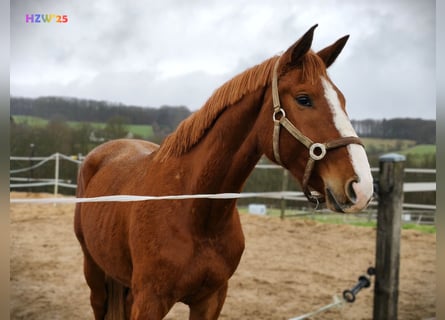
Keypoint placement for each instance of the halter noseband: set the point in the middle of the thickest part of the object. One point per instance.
(317, 150)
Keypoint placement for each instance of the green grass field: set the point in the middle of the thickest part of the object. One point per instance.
(145, 131)
(422, 155)
(421, 149)
(387, 145)
(142, 130)
(30, 120)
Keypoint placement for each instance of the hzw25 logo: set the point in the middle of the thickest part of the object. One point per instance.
(46, 18)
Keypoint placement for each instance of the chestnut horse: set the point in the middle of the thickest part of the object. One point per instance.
(140, 258)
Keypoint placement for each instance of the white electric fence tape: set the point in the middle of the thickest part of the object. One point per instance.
(128, 198)
(337, 302)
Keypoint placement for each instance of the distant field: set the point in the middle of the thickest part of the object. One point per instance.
(387, 145)
(145, 131)
(372, 145)
(421, 149)
(31, 120)
(417, 155)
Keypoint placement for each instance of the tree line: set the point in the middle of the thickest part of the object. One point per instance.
(420, 130)
(58, 136)
(165, 118)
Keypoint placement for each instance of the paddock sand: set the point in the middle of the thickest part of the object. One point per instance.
(289, 268)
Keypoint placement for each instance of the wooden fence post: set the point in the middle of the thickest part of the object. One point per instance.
(389, 222)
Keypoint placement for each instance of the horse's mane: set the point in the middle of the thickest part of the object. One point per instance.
(191, 130)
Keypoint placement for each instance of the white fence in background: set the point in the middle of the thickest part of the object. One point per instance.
(29, 182)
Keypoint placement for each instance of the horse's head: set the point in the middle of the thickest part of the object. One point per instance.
(312, 135)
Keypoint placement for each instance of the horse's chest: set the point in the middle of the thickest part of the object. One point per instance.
(221, 257)
(214, 263)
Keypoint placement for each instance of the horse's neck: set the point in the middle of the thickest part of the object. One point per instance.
(224, 159)
(219, 163)
(228, 153)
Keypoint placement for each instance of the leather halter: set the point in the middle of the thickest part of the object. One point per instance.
(317, 150)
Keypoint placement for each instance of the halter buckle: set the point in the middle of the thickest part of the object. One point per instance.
(280, 113)
(317, 151)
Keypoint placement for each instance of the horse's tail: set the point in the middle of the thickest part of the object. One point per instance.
(116, 300)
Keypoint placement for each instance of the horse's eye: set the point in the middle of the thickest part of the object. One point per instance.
(304, 101)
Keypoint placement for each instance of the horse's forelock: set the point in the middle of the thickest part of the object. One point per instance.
(312, 67)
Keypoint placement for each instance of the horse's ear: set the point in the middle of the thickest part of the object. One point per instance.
(329, 54)
(293, 55)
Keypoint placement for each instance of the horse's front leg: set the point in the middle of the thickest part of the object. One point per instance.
(146, 305)
(210, 307)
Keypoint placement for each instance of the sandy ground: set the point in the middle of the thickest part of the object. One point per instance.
(289, 268)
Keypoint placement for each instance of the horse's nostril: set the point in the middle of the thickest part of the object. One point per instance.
(350, 192)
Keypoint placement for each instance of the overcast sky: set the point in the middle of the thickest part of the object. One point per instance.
(175, 52)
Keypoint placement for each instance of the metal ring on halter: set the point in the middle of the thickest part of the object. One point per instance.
(320, 148)
(317, 202)
(283, 114)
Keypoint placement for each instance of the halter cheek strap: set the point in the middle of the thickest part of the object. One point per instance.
(317, 150)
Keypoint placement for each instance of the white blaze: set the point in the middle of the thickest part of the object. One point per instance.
(359, 160)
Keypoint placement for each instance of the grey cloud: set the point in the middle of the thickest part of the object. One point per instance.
(121, 51)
